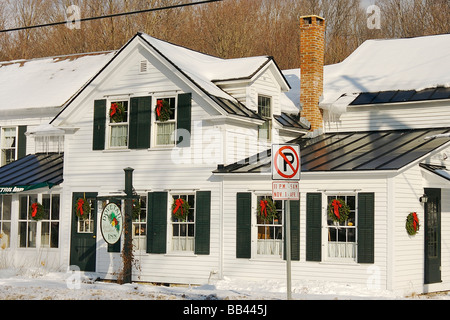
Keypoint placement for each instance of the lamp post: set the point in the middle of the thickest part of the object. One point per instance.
(128, 243)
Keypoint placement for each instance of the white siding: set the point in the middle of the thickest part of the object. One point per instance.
(409, 250)
(395, 116)
(264, 269)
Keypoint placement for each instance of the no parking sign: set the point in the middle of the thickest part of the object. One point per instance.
(286, 162)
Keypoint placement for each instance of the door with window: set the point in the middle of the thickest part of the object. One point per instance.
(84, 233)
(433, 236)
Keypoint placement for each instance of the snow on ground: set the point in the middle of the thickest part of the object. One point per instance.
(43, 285)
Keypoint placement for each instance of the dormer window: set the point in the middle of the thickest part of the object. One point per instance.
(265, 111)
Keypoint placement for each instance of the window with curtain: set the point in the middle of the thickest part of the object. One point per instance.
(118, 124)
(165, 115)
(183, 228)
(8, 145)
(270, 233)
(342, 236)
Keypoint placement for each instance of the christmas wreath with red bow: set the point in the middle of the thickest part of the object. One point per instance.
(117, 112)
(267, 210)
(412, 224)
(82, 208)
(338, 210)
(162, 110)
(37, 211)
(180, 209)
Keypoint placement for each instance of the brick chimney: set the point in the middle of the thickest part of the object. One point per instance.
(312, 43)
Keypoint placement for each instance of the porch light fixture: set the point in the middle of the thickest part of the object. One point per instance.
(423, 199)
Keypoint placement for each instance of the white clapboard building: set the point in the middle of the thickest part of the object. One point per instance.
(374, 135)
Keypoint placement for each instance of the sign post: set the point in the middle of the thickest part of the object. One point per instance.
(286, 167)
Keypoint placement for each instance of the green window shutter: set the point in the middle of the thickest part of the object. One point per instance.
(202, 222)
(140, 122)
(157, 222)
(243, 225)
(295, 231)
(22, 143)
(366, 231)
(184, 115)
(313, 227)
(99, 125)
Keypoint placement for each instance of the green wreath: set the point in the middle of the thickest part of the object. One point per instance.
(180, 209)
(37, 211)
(117, 112)
(267, 210)
(82, 208)
(162, 110)
(412, 224)
(338, 210)
(136, 209)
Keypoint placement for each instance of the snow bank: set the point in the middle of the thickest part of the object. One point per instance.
(38, 284)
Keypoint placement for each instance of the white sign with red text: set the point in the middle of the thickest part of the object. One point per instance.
(283, 190)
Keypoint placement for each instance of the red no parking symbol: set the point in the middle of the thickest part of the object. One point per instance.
(286, 162)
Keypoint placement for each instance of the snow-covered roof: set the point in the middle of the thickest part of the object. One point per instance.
(206, 70)
(382, 65)
(47, 82)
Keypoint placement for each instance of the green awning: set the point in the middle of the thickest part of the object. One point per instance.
(32, 172)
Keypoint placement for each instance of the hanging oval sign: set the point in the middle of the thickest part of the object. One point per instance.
(111, 223)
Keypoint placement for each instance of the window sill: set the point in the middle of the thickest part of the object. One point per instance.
(116, 150)
(267, 259)
(337, 262)
(161, 148)
(181, 254)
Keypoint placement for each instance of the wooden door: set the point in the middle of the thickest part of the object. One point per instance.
(84, 234)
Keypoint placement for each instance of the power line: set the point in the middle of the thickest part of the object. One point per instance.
(110, 16)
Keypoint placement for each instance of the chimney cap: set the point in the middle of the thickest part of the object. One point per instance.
(307, 20)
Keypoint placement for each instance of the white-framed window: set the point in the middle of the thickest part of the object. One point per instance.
(8, 145)
(5, 221)
(45, 232)
(86, 224)
(27, 226)
(165, 129)
(270, 233)
(50, 222)
(140, 223)
(118, 123)
(265, 111)
(183, 229)
(341, 237)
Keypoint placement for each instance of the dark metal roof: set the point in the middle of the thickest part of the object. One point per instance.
(438, 93)
(353, 151)
(291, 121)
(235, 108)
(32, 172)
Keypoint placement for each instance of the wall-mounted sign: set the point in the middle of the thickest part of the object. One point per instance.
(111, 223)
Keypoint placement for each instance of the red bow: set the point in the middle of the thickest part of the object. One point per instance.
(179, 203)
(336, 204)
(114, 107)
(80, 206)
(159, 106)
(263, 205)
(415, 221)
(34, 208)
